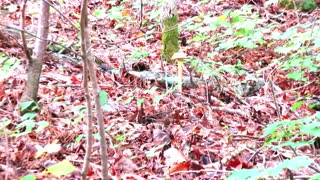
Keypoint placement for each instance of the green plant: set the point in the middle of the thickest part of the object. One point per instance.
(238, 28)
(29, 177)
(7, 66)
(285, 132)
(79, 111)
(139, 54)
(3, 124)
(292, 164)
(300, 48)
(28, 123)
(117, 13)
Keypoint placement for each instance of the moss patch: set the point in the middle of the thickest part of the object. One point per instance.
(170, 37)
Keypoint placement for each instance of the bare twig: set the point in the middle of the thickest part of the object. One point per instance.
(255, 154)
(275, 100)
(61, 14)
(7, 155)
(33, 35)
(22, 25)
(294, 89)
(310, 166)
(205, 170)
(141, 14)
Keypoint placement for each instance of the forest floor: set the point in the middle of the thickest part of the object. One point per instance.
(202, 132)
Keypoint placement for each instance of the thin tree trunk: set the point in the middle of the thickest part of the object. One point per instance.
(86, 52)
(35, 64)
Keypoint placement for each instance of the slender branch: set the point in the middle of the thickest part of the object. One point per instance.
(7, 154)
(87, 57)
(61, 14)
(141, 14)
(294, 89)
(87, 157)
(22, 25)
(204, 170)
(33, 35)
(275, 100)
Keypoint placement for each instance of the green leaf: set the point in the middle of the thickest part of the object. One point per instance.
(297, 75)
(28, 124)
(157, 99)
(296, 144)
(245, 174)
(271, 129)
(152, 90)
(315, 177)
(28, 177)
(154, 151)
(140, 102)
(61, 169)
(128, 100)
(107, 107)
(4, 123)
(311, 128)
(29, 116)
(41, 125)
(100, 13)
(115, 13)
(78, 138)
(311, 106)
(77, 24)
(295, 163)
(297, 105)
(103, 97)
(26, 105)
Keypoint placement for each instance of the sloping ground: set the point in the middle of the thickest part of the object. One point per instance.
(205, 132)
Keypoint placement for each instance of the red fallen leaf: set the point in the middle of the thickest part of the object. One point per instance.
(196, 167)
(2, 90)
(238, 163)
(205, 122)
(196, 129)
(75, 80)
(195, 154)
(78, 103)
(241, 128)
(139, 44)
(112, 23)
(184, 166)
(284, 117)
(234, 163)
(58, 23)
(199, 111)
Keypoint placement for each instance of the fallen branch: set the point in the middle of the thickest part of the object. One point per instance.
(171, 80)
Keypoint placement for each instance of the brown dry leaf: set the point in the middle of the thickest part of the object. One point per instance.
(125, 165)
